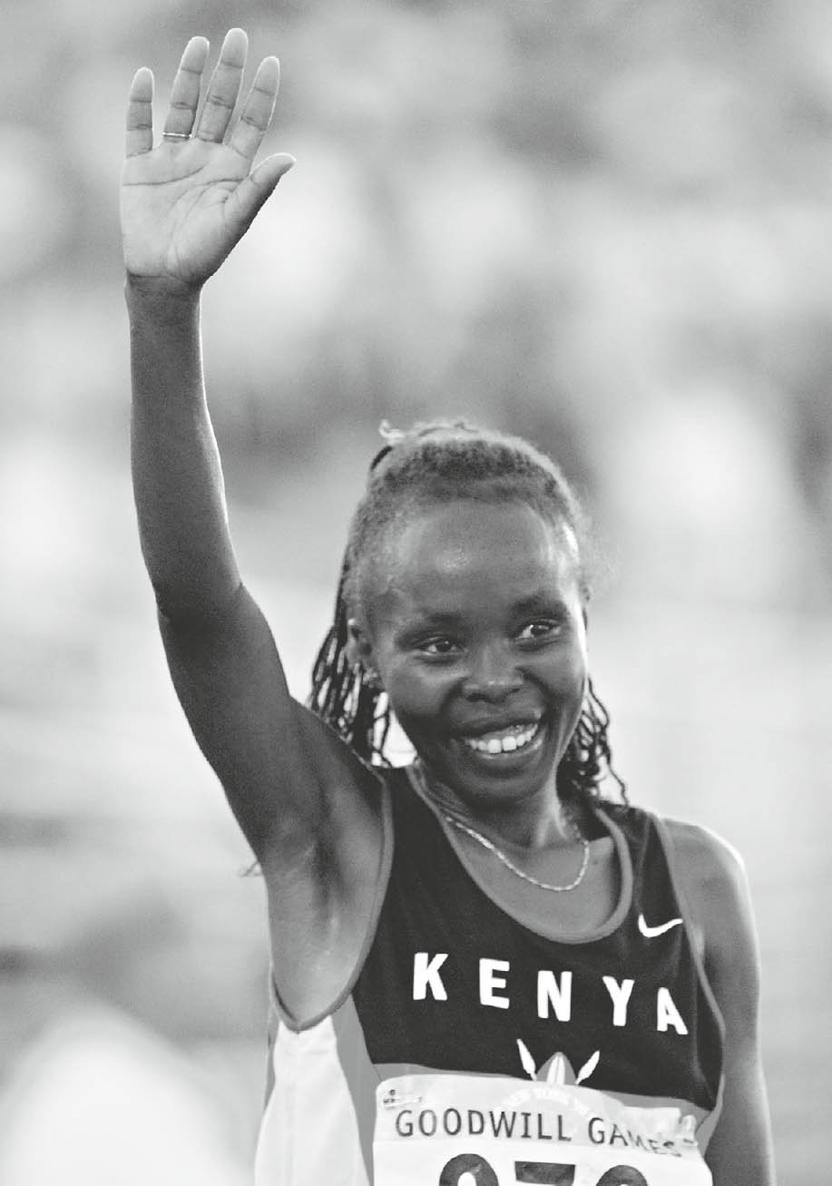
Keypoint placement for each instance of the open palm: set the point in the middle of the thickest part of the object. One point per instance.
(187, 202)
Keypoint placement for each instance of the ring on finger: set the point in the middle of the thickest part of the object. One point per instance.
(176, 135)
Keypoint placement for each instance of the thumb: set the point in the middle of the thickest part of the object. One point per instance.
(251, 194)
(269, 171)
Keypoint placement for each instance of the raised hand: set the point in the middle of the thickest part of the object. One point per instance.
(189, 200)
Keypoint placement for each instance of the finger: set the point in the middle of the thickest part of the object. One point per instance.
(184, 95)
(257, 111)
(251, 193)
(139, 135)
(224, 87)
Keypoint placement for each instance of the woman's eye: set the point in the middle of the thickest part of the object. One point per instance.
(539, 630)
(438, 646)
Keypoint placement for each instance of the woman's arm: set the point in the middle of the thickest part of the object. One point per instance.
(177, 478)
(184, 206)
(307, 806)
(715, 882)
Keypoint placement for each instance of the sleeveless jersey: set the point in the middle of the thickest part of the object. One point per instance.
(469, 1048)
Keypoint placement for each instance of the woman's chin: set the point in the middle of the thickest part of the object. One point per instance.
(474, 772)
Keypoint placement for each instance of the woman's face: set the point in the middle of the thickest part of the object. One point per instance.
(475, 623)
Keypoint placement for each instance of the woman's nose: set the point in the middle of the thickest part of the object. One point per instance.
(491, 676)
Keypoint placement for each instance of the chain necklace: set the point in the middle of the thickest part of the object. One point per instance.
(501, 856)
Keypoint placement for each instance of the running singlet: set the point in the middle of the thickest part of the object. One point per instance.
(469, 1050)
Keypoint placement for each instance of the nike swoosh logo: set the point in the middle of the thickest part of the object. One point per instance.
(651, 932)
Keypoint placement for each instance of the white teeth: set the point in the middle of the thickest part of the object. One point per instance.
(503, 743)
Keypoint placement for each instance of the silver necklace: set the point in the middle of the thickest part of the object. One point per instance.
(501, 856)
(492, 847)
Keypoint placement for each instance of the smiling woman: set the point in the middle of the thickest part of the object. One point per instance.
(471, 612)
(466, 553)
(465, 937)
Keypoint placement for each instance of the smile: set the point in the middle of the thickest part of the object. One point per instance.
(506, 741)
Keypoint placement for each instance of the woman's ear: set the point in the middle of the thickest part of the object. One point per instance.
(359, 647)
(360, 652)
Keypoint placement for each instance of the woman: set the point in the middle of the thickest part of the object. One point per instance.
(483, 970)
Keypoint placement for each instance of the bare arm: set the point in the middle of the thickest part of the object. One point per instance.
(177, 478)
(184, 205)
(741, 1147)
(309, 809)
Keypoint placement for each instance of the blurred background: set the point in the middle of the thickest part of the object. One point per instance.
(605, 226)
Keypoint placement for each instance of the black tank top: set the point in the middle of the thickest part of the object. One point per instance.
(453, 982)
(451, 985)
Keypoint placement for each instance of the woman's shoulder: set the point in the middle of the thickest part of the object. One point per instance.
(702, 854)
(712, 876)
(693, 847)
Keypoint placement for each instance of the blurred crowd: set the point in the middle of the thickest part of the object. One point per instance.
(604, 226)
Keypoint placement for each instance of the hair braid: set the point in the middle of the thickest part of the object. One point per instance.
(588, 757)
(341, 693)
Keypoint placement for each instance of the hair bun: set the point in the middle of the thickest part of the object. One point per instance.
(390, 435)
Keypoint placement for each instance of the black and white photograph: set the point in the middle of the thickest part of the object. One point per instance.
(416, 593)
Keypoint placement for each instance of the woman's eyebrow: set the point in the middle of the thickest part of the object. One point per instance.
(420, 619)
(542, 602)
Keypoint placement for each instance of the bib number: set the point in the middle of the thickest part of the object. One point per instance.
(543, 1173)
(483, 1130)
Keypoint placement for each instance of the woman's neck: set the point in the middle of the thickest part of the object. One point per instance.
(539, 822)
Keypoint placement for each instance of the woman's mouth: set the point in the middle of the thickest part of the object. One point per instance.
(505, 741)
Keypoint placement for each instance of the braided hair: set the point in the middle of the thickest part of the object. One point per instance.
(442, 462)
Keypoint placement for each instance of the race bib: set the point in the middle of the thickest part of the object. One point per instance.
(476, 1130)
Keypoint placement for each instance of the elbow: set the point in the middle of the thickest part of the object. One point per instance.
(195, 606)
